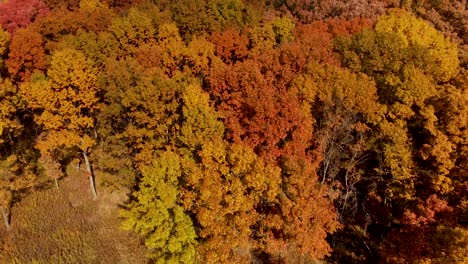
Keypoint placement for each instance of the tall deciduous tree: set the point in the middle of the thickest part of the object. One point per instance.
(142, 109)
(224, 190)
(409, 61)
(231, 45)
(201, 17)
(10, 104)
(26, 54)
(259, 110)
(62, 22)
(346, 109)
(158, 215)
(133, 30)
(65, 102)
(4, 43)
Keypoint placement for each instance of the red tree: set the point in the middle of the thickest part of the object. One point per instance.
(27, 54)
(259, 110)
(16, 14)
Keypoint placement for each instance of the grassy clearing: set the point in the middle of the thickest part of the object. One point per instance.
(65, 226)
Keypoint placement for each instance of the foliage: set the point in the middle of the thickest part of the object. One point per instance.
(132, 30)
(142, 109)
(15, 14)
(433, 238)
(157, 215)
(307, 11)
(4, 45)
(26, 54)
(10, 103)
(204, 17)
(240, 131)
(224, 191)
(409, 67)
(250, 99)
(66, 99)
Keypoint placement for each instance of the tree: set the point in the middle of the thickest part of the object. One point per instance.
(13, 180)
(442, 54)
(10, 104)
(201, 17)
(169, 51)
(417, 155)
(26, 54)
(346, 109)
(6, 201)
(62, 22)
(4, 43)
(142, 107)
(51, 168)
(200, 122)
(15, 14)
(224, 190)
(258, 109)
(172, 48)
(65, 103)
(314, 43)
(447, 17)
(157, 214)
(427, 235)
(230, 45)
(133, 30)
(410, 62)
(297, 226)
(200, 56)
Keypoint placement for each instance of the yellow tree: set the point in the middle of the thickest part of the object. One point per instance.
(4, 42)
(225, 190)
(65, 102)
(422, 146)
(11, 105)
(133, 30)
(141, 109)
(412, 64)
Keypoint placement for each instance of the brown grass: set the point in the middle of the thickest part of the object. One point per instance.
(65, 226)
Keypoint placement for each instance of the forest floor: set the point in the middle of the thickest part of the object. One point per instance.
(66, 226)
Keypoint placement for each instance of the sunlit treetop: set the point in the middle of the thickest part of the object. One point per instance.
(417, 34)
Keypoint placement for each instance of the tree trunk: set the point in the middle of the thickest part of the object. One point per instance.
(56, 183)
(5, 219)
(90, 175)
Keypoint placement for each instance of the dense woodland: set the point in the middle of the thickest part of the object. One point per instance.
(239, 131)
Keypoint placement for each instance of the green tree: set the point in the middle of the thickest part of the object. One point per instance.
(157, 214)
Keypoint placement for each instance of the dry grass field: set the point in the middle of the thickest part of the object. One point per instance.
(66, 226)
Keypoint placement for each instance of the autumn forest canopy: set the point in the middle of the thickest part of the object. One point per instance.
(234, 131)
